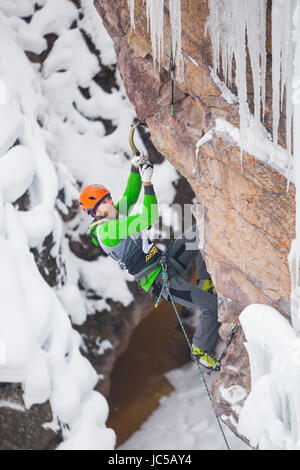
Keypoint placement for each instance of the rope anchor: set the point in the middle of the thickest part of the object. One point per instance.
(164, 288)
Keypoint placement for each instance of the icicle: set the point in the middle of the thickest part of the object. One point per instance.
(175, 20)
(276, 57)
(155, 16)
(230, 23)
(131, 9)
(262, 5)
(253, 36)
(282, 62)
(227, 24)
(155, 24)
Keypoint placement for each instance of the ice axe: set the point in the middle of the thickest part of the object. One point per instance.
(131, 136)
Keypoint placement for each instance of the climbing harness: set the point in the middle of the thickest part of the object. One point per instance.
(172, 71)
(165, 288)
(144, 273)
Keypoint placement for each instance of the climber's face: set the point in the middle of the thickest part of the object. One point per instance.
(107, 209)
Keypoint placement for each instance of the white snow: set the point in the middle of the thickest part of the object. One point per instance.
(13, 183)
(270, 416)
(257, 142)
(51, 136)
(11, 405)
(22, 9)
(184, 420)
(88, 430)
(44, 21)
(93, 25)
(103, 345)
(233, 394)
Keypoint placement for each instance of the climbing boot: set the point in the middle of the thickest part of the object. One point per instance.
(207, 286)
(207, 359)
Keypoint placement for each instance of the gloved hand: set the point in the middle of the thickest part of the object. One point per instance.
(140, 160)
(146, 171)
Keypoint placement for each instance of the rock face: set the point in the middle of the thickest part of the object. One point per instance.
(249, 214)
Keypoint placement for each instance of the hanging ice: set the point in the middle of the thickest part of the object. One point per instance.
(232, 25)
(131, 9)
(155, 17)
(155, 22)
(282, 65)
(175, 20)
(236, 25)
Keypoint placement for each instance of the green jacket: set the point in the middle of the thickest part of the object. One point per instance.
(123, 239)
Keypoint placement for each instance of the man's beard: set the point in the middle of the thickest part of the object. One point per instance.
(110, 213)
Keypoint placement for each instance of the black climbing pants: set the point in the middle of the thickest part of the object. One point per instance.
(179, 253)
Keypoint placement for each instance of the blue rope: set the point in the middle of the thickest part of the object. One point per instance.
(165, 287)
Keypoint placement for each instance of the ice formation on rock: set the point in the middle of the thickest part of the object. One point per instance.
(155, 23)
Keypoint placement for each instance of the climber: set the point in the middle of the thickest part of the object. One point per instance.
(121, 236)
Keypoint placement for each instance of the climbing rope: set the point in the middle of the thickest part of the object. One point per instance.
(165, 287)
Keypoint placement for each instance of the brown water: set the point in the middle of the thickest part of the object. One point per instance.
(137, 382)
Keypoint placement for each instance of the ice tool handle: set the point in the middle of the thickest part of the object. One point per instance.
(131, 137)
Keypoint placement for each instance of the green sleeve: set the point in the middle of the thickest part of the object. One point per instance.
(132, 192)
(114, 230)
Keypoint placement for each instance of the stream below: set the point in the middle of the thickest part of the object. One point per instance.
(157, 346)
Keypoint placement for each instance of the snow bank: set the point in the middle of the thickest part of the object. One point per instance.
(270, 417)
(39, 348)
(184, 419)
(51, 136)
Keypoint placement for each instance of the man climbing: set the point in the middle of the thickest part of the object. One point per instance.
(121, 236)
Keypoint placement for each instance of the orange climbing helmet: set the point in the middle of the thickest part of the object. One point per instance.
(91, 196)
